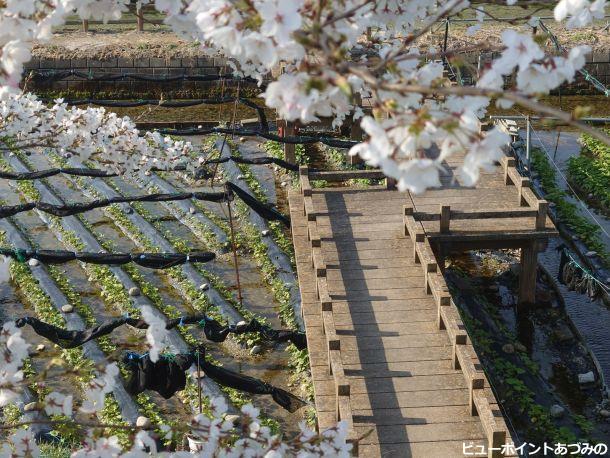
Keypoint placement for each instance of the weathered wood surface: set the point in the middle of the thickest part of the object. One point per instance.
(406, 397)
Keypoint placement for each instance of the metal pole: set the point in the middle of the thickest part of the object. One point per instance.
(527, 142)
(446, 38)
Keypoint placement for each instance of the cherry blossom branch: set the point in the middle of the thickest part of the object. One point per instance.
(519, 99)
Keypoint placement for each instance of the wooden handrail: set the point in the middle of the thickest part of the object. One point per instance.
(464, 355)
(343, 411)
(538, 211)
(516, 212)
(343, 175)
(527, 197)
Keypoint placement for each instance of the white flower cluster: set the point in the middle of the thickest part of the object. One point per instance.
(222, 26)
(13, 351)
(86, 132)
(99, 387)
(312, 43)
(156, 334)
(537, 73)
(580, 12)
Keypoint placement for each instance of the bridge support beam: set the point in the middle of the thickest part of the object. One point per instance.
(527, 275)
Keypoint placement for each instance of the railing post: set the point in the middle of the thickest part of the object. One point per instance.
(85, 25)
(508, 163)
(524, 183)
(289, 149)
(407, 211)
(419, 237)
(445, 218)
(477, 382)
(527, 142)
(543, 207)
(527, 275)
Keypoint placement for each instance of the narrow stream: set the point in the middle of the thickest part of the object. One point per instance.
(532, 359)
(591, 318)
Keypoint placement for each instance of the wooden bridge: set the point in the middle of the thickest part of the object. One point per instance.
(389, 353)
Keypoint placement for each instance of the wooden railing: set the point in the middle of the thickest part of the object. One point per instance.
(343, 409)
(529, 205)
(138, 21)
(481, 399)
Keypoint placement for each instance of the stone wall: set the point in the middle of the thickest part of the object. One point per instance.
(151, 66)
(598, 65)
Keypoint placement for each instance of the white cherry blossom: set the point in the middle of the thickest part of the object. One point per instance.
(156, 334)
(58, 404)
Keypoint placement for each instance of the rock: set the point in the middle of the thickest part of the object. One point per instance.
(256, 350)
(563, 334)
(67, 308)
(232, 418)
(33, 262)
(608, 281)
(574, 237)
(283, 184)
(204, 287)
(30, 407)
(557, 411)
(543, 296)
(147, 173)
(242, 139)
(143, 422)
(265, 233)
(588, 377)
(40, 347)
(192, 210)
(128, 210)
(199, 374)
(240, 177)
(134, 292)
(605, 413)
(508, 348)
(240, 324)
(552, 204)
(590, 196)
(590, 254)
(520, 347)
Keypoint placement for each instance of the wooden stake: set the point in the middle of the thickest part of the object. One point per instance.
(140, 19)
